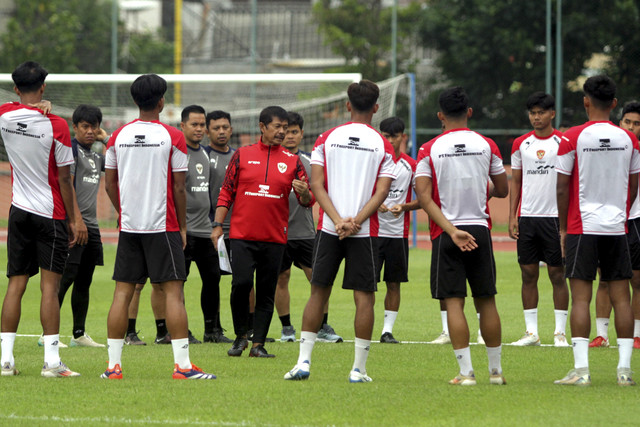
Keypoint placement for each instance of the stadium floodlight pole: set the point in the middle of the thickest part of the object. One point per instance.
(177, 49)
(558, 63)
(114, 52)
(548, 50)
(414, 146)
(394, 38)
(253, 53)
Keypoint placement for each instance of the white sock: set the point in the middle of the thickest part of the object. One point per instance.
(636, 328)
(307, 341)
(479, 330)
(495, 357)
(463, 356)
(602, 327)
(580, 352)
(181, 352)
(561, 321)
(8, 340)
(531, 320)
(389, 320)
(625, 347)
(362, 352)
(114, 348)
(51, 350)
(445, 323)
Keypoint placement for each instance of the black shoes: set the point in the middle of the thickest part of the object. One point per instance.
(133, 339)
(163, 340)
(238, 347)
(387, 338)
(260, 351)
(166, 339)
(216, 336)
(250, 335)
(192, 339)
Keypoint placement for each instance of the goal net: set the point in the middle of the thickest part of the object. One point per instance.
(319, 98)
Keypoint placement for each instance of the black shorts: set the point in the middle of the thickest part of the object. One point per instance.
(633, 237)
(360, 255)
(394, 254)
(539, 240)
(158, 256)
(34, 242)
(298, 253)
(91, 253)
(584, 253)
(451, 268)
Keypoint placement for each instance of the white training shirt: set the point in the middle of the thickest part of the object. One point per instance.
(536, 158)
(145, 155)
(354, 156)
(599, 157)
(459, 163)
(37, 145)
(399, 193)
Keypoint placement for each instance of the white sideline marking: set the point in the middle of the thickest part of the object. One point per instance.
(112, 420)
(375, 342)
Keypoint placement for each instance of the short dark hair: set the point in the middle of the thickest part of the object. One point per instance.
(392, 126)
(542, 100)
(630, 107)
(267, 115)
(295, 119)
(217, 115)
(454, 102)
(29, 76)
(363, 95)
(601, 89)
(147, 90)
(191, 109)
(87, 113)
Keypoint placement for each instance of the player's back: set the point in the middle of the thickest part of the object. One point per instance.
(599, 154)
(462, 161)
(36, 144)
(353, 156)
(145, 154)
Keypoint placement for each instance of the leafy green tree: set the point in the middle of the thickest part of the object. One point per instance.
(66, 36)
(360, 31)
(74, 36)
(147, 53)
(495, 50)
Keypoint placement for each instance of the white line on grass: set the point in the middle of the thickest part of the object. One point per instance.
(373, 342)
(113, 420)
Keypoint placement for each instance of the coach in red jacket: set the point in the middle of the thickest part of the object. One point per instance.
(257, 183)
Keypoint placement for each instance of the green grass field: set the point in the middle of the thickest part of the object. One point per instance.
(410, 380)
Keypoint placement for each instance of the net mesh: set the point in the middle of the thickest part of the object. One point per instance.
(322, 104)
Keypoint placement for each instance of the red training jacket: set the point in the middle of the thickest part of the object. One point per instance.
(257, 183)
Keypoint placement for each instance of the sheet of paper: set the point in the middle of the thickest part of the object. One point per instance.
(223, 256)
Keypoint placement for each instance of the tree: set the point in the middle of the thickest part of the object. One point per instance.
(66, 36)
(73, 36)
(360, 31)
(495, 50)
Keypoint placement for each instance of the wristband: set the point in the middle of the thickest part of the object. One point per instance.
(216, 224)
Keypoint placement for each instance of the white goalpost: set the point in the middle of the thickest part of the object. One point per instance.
(320, 98)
